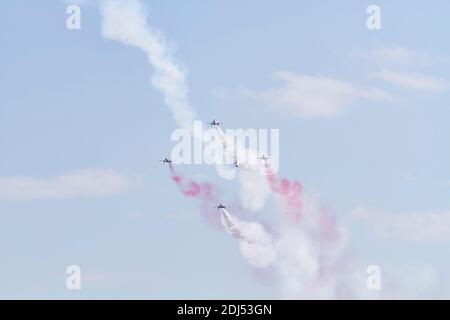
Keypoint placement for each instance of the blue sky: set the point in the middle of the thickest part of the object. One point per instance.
(76, 105)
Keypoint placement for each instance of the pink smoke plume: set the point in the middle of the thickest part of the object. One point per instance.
(290, 192)
(292, 197)
(205, 192)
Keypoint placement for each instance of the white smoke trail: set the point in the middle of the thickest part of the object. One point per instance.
(230, 225)
(256, 244)
(125, 21)
(254, 190)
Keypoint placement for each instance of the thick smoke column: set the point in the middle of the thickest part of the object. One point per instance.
(308, 258)
(311, 254)
(124, 21)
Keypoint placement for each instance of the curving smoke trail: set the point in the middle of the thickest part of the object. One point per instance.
(256, 244)
(192, 188)
(125, 21)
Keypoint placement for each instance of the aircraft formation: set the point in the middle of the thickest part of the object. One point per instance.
(235, 164)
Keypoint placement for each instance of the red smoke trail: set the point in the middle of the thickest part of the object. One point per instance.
(205, 192)
(289, 191)
(192, 188)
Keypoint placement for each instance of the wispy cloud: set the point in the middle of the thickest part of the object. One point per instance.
(400, 55)
(82, 184)
(408, 176)
(398, 66)
(413, 226)
(412, 80)
(392, 55)
(315, 96)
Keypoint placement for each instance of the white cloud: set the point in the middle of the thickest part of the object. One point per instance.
(400, 55)
(416, 226)
(390, 58)
(83, 184)
(314, 96)
(393, 55)
(412, 80)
